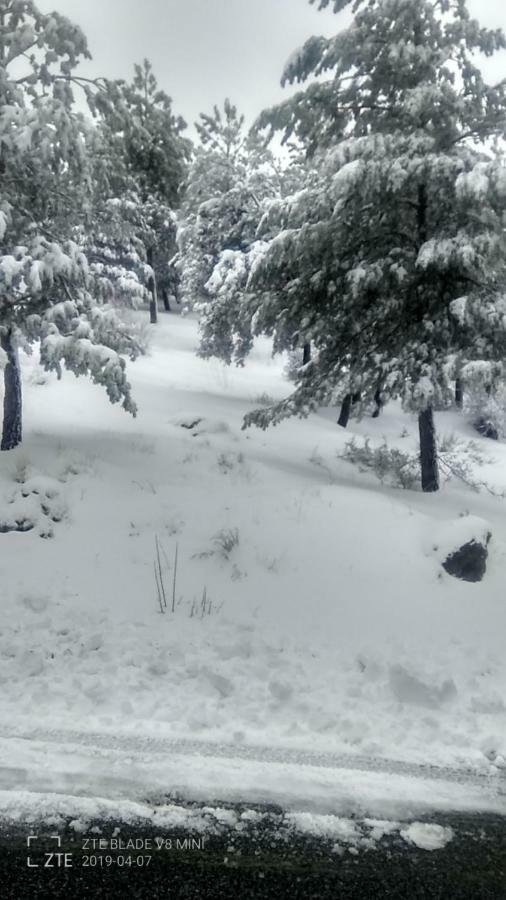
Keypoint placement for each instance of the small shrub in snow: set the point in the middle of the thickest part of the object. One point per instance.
(487, 410)
(394, 467)
(389, 464)
(225, 462)
(228, 461)
(204, 607)
(36, 503)
(487, 426)
(166, 588)
(452, 447)
(226, 541)
(458, 459)
(146, 486)
(173, 526)
(160, 569)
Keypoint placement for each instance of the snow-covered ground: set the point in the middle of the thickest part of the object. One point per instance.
(329, 625)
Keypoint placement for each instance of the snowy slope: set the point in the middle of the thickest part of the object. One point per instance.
(332, 626)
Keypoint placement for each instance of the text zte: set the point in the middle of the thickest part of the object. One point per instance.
(53, 861)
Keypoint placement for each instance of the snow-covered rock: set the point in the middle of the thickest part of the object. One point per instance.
(462, 547)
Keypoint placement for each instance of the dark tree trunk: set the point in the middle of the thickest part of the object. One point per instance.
(13, 407)
(348, 402)
(379, 404)
(428, 451)
(344, 416)
(153, 309)
(306, 354)
(428, 447)
(153, 303)
(459, 393)
(165, 298)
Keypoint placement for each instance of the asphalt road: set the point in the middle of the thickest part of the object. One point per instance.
(252, 864)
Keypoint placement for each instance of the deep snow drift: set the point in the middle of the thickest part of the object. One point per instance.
(329, 623)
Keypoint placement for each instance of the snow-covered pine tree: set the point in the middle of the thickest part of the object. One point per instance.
(225, 323)
(208, 215)
(49, 295)
(231, 174)
(391, 260)
(148, 155)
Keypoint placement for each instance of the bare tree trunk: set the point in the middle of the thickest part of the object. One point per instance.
(379, 404)
(348, 402)
(428, 446)
(459, 393)
(306, 355)
(153, 303)
(428, 451)
(165, 298)
(13, 406)
(344, 415)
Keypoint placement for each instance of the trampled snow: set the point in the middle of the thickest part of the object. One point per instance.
(311, 611)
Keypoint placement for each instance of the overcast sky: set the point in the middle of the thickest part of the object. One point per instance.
(205, 50)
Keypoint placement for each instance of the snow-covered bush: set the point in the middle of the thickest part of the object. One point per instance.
(457, 459)
(487, 411)
(226, 540)
(37, 502)
(391, 465)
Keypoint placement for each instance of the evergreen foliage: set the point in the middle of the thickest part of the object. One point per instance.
(391, 259)
(51, 294)
(143, 159)
(231, 176)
